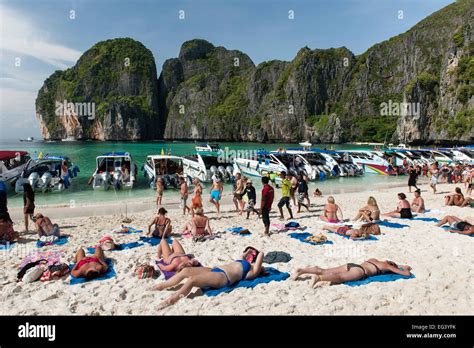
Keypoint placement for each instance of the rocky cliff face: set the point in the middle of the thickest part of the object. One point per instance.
(110, 94)
(417, 87)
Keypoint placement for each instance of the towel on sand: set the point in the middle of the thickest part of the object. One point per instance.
(107, 275)
(60, 241)
(302, 238)
(392, 224)
(284, 228)
(119, 247)
(154, 240)
(273, 275)
(52, 256)
(426, 219)
(379, 278)
(238, 230)
(371, 237)
(130, 230)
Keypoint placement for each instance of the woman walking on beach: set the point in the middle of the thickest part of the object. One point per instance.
(350, 272)
(215, 278)
(434, 176)
(28, 203)
(412, 176)
(196, 202)
(403, 208)
(370, 212)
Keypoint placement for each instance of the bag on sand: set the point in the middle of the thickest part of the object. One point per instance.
(145, 271)
(33, 274)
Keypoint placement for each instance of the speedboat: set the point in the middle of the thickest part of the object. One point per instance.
(208, 149)
(114, 169)
(44, 174)
(204, 167)
(263, 164)
(369, 161)
(313, 163)
(12, 164)
(463, 154)
(29, 139)
(169, 168)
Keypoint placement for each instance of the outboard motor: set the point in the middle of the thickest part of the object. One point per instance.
(174, 180)
(166, 181)
(230, 170)
(117, 179)
(34, 179)
(45, 181)
(223, 172)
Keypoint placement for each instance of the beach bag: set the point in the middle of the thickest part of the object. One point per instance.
(27, 267)
(33, 274)
(55, 271)
(145, 271)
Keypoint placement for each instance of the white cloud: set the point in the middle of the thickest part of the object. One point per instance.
(20, 36)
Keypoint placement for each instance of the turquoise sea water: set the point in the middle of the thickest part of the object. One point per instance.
(84, 153)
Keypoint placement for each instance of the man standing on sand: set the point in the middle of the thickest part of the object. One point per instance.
(294, 186)
(183, 190)
(216, 193)
(266, 203)
(238, 189)
(285, 199)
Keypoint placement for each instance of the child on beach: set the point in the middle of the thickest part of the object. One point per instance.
(159, 191)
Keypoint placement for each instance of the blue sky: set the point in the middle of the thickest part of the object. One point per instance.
(38, 36)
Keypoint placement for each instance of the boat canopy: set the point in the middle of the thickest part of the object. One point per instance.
(115, 154)
(7, 155)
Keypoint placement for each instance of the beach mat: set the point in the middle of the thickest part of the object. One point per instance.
(237, 230)
(392, 224)
(61, 241)
(107, 275)
(7, 246)
(371, 237)
(426, 219)
(273, 275)
(154, 240)
(302, 236)
(119, 247)
(381, 278)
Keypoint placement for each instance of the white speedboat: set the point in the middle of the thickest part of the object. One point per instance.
(169, 168)
(208, 149)
(463, 154)
(28, 140)
(116, 170)
(44, 174)
(12, 164)
(204, 167)
(263, 164)
(369, 161)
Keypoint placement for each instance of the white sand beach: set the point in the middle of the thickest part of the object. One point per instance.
(440, 261)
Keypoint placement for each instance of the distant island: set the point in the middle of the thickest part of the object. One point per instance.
(415, 88)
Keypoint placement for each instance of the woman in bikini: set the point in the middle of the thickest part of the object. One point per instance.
(434, 176)
(196, 202)
(174, 258)
(162, 225)
(363, 232)
(458, 225)
(330, 211)
(160, 187)
(351, 271)
(403, 208)
(370, 212)
(89, 267)
(456, 198)
(215, 278)
(199, 224)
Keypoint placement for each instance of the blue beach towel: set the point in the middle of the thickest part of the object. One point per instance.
(274, 275)
(130, 230)
(119, 247)
(236, 230)
(371, 237)
(302, 236)
(154, 240)
(61, 241)
(107, 275)
(381, 278)
(7, 246)
(392, 224)
(292, 224)
(427, 219)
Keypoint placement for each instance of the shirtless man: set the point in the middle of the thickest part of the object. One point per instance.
(418, 204)
(183, 191)
(216, 193)
(239, 187)
(44, 227)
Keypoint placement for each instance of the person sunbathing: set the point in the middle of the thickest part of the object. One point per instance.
(162, 224)
(468, 201)
(456, 198)
(403, 208)
(370, 212)
(351, 271)
(199, 224)
(418, 203)
(44, 226)
(363, 232)
(458, 225)
(174, 258)
(330, 211)
(89, 267)
(215, 278)
(7, 233)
